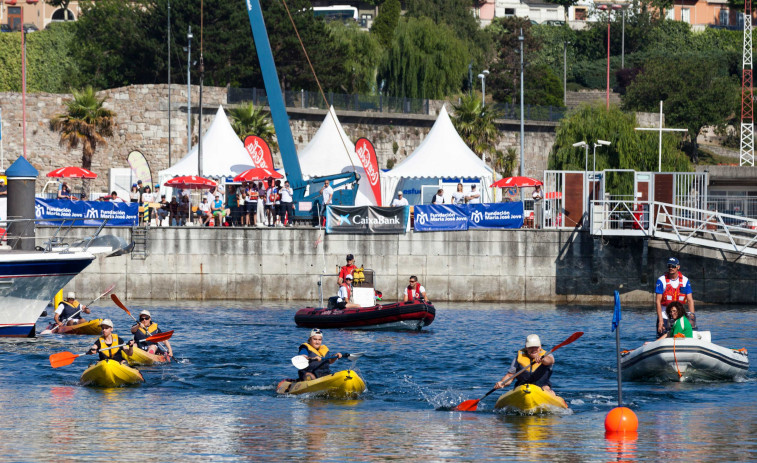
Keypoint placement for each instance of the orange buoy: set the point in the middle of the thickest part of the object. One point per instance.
(621, 419)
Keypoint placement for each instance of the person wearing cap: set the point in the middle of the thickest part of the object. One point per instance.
(538, 366)
(346, 269)
(3, 188)
(399, 200)
(415, 291)
(69, 311)
(218, 210)
(670, 287)
(344, 296)
(315, 351)
(145, 328)
(134, 193)
(474, 197)
(140, 187)
(163, 210)
(108, 339)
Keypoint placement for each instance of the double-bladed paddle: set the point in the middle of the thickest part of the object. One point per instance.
(472, 405)
(121, 305)
(61, 359)
(63, 322)
(301, 361)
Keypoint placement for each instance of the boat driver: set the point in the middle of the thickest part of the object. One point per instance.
(344, 296)
(537, 366)
(346, 270)
(670, 287)
(415, 291)
(69, 311)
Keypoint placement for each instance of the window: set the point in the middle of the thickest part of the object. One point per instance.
(509, 11)
(580, 14)
(723, 17)
(14, 17)
(58, 15)
(686, 15)
(670, 14)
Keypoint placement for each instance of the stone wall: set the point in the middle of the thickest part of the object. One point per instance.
(185, 263)
(142, 116)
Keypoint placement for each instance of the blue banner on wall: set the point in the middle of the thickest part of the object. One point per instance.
(495, 215)
(440, 217)
(92, 212)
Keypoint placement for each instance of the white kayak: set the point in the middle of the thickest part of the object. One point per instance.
(684, 359)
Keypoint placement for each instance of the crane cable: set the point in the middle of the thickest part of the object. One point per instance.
(320, 88)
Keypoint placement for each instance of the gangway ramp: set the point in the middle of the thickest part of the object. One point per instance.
(680, 224)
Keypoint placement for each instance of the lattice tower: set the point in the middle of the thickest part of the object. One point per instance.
(746, 152)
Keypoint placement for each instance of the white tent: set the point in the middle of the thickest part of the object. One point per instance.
(442, 154)
(331, 152)
(223, 154)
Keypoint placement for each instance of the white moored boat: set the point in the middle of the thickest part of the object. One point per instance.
(684, 359)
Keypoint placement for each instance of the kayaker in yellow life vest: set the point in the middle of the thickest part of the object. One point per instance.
(538, 366)
(69, 311)
(315, 351)
(107, 339)
(145, 328)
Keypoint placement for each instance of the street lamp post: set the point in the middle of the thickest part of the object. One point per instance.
(565, 72)
(609, 8)
(522, 124)
(189, 89)
(482, 76)
(586, 168)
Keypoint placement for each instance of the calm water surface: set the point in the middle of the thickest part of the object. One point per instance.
(218, 403)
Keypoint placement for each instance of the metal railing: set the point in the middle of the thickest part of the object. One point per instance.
(13, 231)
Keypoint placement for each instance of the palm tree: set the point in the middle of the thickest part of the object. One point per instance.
(249, 120)
(85, 121)
(475, 124)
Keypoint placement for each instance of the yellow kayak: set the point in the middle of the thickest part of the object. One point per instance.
(142, 357)
(529, 398)
(91, 328)
(340, 385)
(110, 373)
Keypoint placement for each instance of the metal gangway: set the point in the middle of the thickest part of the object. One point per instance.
(681, 224)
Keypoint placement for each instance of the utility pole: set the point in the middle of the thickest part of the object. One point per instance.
(746, 151)
(202, 76)
(189, 90)
(169, 82)
(522, 107)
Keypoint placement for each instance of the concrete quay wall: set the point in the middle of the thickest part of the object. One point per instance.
(187, 263)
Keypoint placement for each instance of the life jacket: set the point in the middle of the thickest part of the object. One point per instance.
(358, 275)
(69, 310)
(347, 270)
(536, 374)
(143, 333)
(672, 294)
(114, 354)
(349, 291)
(253, 195)
(322, 351)
(418, 296)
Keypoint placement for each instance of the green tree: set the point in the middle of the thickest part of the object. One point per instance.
(699, 93)
(504, 79)
(386, 22)
(249, 120)
(629, 148)
(361, 55)
(504, 162)
(86, 122)
(425, 61)
(476, 125)
(62, 4)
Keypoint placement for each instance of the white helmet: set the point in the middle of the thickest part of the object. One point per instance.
(71, 295)
(533, 341)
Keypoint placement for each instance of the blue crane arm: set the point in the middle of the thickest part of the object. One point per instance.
(280, 117)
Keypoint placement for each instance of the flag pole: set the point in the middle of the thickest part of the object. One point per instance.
(616, 327)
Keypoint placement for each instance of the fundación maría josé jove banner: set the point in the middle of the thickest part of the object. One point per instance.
(367, 220)
(466, 216)
(89, 213)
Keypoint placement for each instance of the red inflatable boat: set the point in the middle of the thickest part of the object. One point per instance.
(396, 316)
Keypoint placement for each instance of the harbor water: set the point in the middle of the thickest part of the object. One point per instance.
(218, 401)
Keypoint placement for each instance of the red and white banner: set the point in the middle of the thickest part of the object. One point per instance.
(259, 151)
(366, 153)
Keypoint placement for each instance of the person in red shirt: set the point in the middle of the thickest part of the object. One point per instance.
(346, 270)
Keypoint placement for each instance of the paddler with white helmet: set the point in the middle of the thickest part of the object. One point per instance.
(108, 339)
(538, 366)
(69, 311)
(316, 351)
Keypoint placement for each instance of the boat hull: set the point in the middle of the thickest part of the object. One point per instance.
(695, 358)
(395, 316)
(89, 328)
(345, 384)
(141, 357)
(110, 373)
(529, 398)
(28, 282)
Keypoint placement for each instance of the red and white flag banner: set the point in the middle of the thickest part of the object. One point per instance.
(366, 153)
(259, 152)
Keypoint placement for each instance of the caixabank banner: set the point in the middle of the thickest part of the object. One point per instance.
(89, 213)
(367, 220)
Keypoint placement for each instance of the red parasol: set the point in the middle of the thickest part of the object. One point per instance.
(191, 182)
(515, 181)
(256, 173)
(72, 172)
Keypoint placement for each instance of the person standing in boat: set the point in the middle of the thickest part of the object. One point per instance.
(108, 339)
(344, 296)
(415, 291)
(316, 351)
(538, 366)
(69, 311)
(681, 327)
(670, 287)
(146, 328)
(346, 270)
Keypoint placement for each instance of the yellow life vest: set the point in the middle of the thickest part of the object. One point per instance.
(525, 361)
(150, 329)
(75, 305)
(321, 351)
(102, 345)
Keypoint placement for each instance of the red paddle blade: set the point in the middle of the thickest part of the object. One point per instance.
(160, 337)
(468, 406)
(572, 338)
(118, 302)
(61, 359)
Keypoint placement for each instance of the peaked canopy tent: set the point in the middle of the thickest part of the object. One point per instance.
(330, 152)
(441, 155)
(223, 154)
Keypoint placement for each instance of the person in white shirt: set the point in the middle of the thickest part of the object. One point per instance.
(474, 197)
(344, 296)
(327, 194)
(287, 205)
(415, 291)
(114, 197)
(458, 197)
(399, 201)
(438, 197)
(203, 211)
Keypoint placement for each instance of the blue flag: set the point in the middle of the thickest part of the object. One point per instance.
(616, 314)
